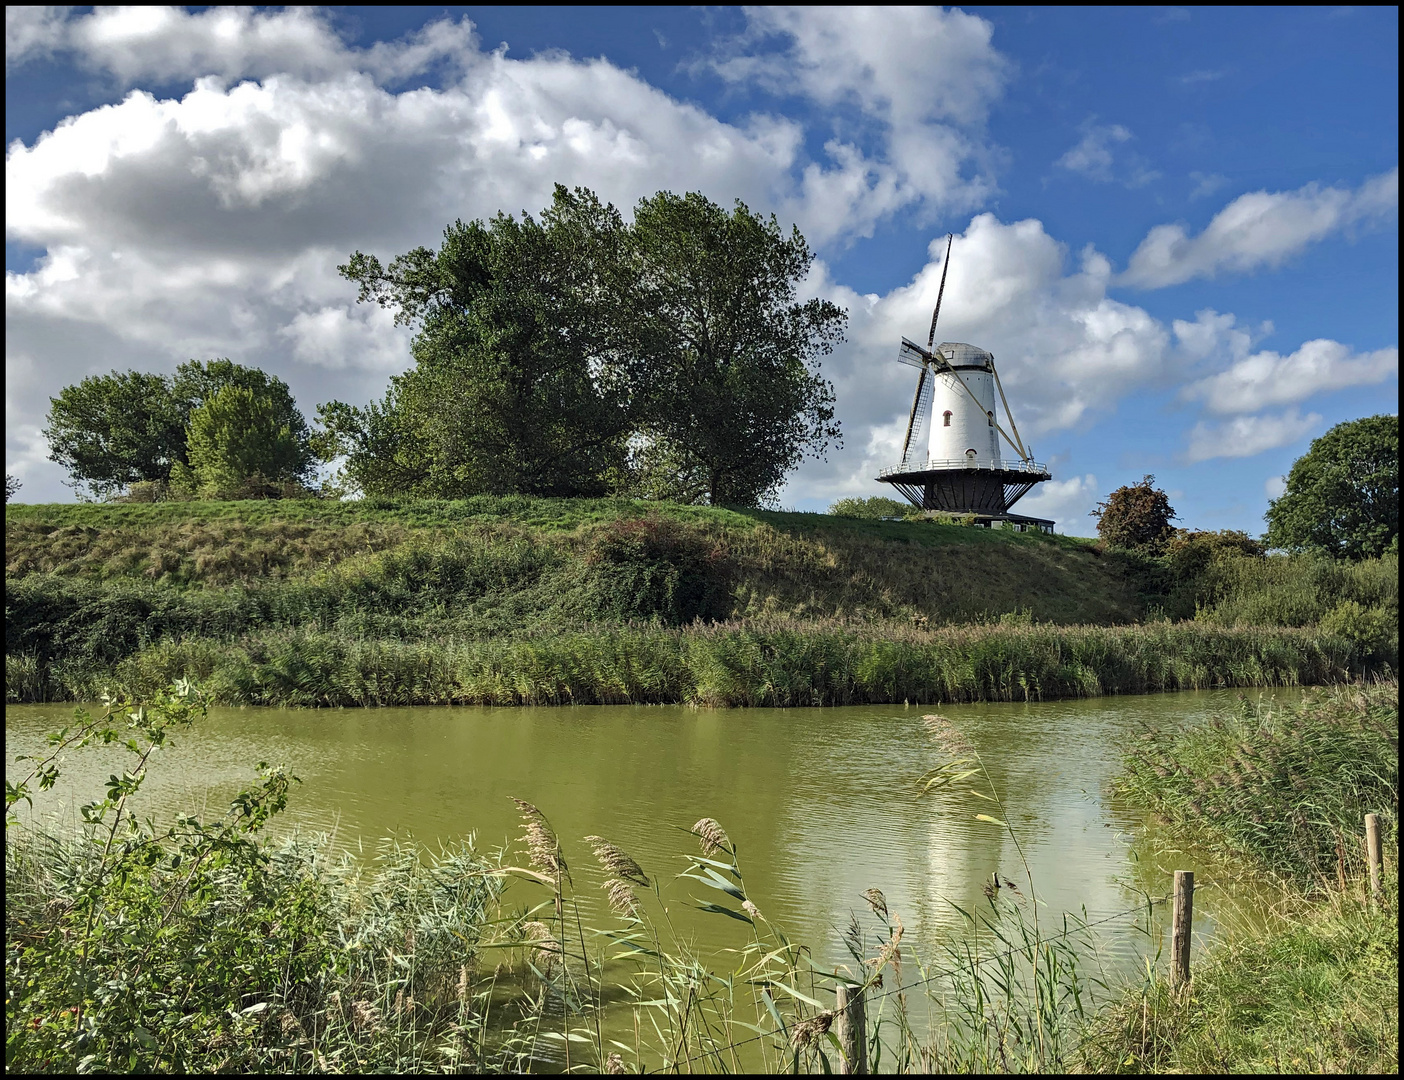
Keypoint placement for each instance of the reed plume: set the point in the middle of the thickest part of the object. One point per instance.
(713, 837)
(806, 1031)
(616, 861)
(543, 849)
(944, 734)
(621, 897)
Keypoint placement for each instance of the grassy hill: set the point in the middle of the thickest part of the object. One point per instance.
(554, 552)
(520, 599)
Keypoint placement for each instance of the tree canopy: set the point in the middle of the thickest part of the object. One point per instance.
(514, 388)
(1342, 495)
(113, 431)
(577, 355)
(1136, 517)
(726, 354)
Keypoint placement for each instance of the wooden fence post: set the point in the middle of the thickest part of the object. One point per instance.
(1374, 853)
(1181, 925)
(852, 1029)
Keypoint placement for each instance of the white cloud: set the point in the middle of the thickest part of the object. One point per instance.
(1095, 157)
(229, 43)
(922, 80)
(1267, 378)
(32, 32)
(1259, 229)
(1205, 184)
(1245, 436)
(1274, 486)
(211, 224)
(1068, 502)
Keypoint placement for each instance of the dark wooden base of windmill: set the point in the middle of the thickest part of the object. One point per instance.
(987, 494)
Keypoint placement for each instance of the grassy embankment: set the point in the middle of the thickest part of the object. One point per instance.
(1282, 793)
(516, 600)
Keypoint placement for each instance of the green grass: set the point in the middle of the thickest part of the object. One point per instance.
(1283, 793)
(1285, 787)
(521, 599)
(1318, 993)
(774, 663)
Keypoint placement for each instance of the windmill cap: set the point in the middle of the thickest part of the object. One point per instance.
(959, 354)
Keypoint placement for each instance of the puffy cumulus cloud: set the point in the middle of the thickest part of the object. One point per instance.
(1275, 486)
(1065, 351)
(212, 224)
(1245, 436)
(922, 78)
(1264, 379)
(1259, 229)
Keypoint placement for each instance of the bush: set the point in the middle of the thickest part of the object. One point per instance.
(1136, 517)
(200, 947)
(877, 507)
(1372, 629)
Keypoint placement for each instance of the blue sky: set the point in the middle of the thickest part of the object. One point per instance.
(1176, 228)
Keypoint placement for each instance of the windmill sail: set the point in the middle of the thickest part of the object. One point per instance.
(914, 447)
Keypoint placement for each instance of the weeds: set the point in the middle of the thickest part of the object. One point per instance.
(1283, 791)
(1286, 787)
(762, 663)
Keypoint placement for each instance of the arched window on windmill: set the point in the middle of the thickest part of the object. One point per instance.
(946, 418)
(990, 416)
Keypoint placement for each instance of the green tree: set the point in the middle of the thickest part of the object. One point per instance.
(245, 441)
(1136, 517)
(114, 431)
(12, 486)
(1342, 495)
(110, 431)
(724, 356)
(516, 385)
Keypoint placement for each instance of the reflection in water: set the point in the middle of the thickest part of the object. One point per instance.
(821, 803)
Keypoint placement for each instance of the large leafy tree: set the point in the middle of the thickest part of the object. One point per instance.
(246, 440)
(516, 385)
(112, 431)
(1137, 517)
(1342, 495)
(723, 353)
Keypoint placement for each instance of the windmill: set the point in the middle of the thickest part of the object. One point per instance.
(957, 467)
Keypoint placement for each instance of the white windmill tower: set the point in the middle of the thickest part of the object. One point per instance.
(960, 469)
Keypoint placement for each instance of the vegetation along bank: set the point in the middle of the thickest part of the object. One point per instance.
(1281, 793)
(507, 600)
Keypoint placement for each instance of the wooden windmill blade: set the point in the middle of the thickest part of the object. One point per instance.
(913, 355)
(921, 411)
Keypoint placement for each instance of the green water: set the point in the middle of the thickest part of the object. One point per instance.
(821, 803)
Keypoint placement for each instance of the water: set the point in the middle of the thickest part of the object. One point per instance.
(821, 803)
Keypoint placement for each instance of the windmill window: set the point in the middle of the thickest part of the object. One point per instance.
(991, 416)
(946, 418)
(970, 453)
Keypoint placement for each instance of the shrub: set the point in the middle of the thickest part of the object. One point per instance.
(1137, 517)
(877, 507)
